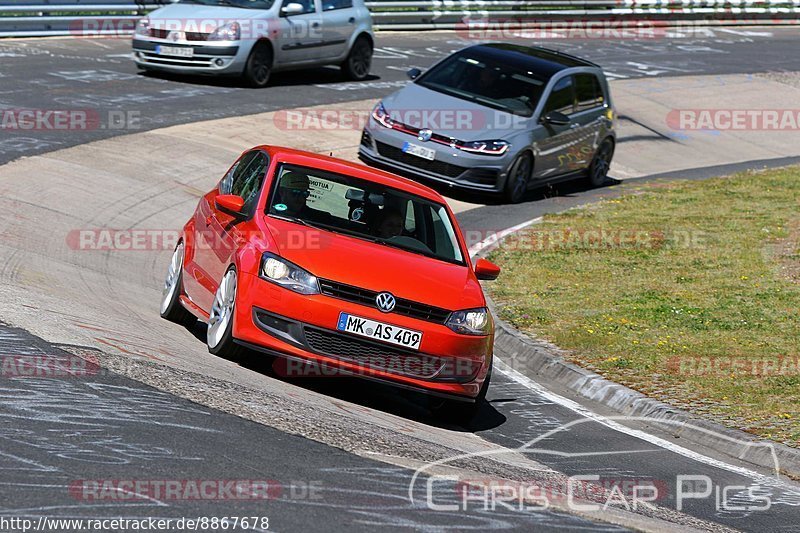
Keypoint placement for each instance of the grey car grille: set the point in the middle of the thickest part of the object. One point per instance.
(434, 167)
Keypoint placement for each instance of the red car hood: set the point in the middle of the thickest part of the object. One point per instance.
(377, 267)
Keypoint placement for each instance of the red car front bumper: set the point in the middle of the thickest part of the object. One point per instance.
(302, 329)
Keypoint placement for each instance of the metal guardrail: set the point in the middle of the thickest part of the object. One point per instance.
(33, 18)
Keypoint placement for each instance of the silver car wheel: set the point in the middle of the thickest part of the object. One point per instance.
(361, 59)
(173, 278)
(222, 309)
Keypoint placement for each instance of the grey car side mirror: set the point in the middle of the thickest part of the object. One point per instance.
(556, 119)
(292, 8)
(413, 73)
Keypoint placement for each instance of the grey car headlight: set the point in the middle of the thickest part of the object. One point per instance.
(484, 147)
(381, 116)
(229, 32)
(470, 321)
(281, 272)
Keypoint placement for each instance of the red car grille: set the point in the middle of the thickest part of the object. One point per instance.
(367, 297)
(372, 355)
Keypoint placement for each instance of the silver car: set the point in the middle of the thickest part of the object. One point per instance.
(498, 118)
(253, 38)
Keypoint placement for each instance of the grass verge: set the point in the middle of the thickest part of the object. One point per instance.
(685, 291)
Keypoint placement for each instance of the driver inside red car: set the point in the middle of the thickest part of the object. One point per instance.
(293, 192)
(391, 224)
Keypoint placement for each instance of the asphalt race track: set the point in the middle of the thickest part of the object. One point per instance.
(97, 75)
(338, 455)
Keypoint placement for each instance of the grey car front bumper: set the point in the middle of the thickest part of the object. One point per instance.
(383, 148)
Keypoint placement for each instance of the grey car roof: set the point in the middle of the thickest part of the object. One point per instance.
(544, 61)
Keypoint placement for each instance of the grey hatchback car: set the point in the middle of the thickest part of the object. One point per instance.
(253, 38)
(499, 118)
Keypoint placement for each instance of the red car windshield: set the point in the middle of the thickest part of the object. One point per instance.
(350, 206)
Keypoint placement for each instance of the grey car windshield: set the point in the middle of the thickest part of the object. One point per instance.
(500, 86)
(248, 4)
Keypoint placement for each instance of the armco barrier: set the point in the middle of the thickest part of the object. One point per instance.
(35, 18)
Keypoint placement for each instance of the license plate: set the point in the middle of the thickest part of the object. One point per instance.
(419, 151)
(372, 329)
(174, 51)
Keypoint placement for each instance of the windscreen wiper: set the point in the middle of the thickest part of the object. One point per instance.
(404, 248)
(296, 220)
(315, 225)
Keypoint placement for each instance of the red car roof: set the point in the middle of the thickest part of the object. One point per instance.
(332, 164)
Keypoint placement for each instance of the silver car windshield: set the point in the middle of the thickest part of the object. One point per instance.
(365, 210)
(247, 4)
(471, 77)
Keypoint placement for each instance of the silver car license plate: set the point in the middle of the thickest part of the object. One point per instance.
(372, 329)
(419, 151)
(178, 51)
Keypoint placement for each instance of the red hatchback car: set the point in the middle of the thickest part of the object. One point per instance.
(334, 265)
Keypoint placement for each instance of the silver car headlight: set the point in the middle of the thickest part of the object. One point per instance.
(281, 272)
(470, 321)
(229, 32)
(484, 147)
(143, 27)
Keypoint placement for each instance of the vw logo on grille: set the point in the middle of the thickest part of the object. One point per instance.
(385, 302)
(424, 135)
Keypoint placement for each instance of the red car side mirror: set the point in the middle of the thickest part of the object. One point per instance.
(230, 204)
(486, 270)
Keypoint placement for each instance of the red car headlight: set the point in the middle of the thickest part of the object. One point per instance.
(281, 272)
(470, 321)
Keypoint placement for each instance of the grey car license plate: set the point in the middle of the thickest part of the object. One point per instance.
(419, 151)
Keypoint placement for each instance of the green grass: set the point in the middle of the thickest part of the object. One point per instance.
(707, 279)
